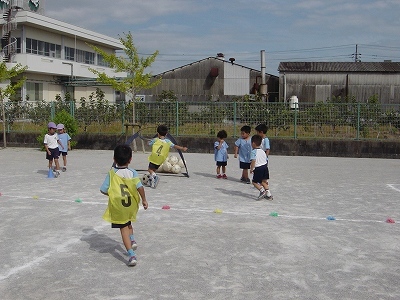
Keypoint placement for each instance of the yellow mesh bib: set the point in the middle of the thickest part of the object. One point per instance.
(123, 199)
(160, 151)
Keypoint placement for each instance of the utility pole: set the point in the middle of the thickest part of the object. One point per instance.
(356, 55)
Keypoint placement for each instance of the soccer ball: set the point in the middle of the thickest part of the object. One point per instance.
(146, 179)
(180, 163)
(173, 160)
(167, 166)
(176, 169)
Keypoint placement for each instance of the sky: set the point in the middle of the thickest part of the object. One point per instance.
(185, 31)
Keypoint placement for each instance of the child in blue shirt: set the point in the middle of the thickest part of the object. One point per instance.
(262, 131)
(243, 147)
(65, 142)
(124, 190)
(221, 154)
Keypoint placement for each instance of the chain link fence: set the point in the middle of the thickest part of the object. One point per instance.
(307, 120)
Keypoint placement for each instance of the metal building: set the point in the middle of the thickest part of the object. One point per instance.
(322, 81)
(212, 79)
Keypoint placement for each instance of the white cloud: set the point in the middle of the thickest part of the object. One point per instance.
(187, 29)
(124, 12)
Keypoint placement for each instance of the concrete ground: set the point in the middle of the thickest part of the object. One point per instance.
(55, 245)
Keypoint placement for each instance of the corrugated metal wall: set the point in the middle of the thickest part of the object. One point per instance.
(320, 87)
(194, 82)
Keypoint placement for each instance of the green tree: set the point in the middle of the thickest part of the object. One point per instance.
(134, 65)
(6, 91)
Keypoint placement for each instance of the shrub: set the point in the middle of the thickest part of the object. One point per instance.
(70, 124)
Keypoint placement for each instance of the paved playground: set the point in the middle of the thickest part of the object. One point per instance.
(215, 242)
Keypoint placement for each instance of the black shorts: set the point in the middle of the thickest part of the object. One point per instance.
(222, 163)
(244, 165)
(113, 225)
(63, 153)
(54, 154)
(153, 167)
(260, 173)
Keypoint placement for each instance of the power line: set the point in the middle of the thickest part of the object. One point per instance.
(388, 48)
(284, 55)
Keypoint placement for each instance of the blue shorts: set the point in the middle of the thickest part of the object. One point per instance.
(260, 173)
(54, 154)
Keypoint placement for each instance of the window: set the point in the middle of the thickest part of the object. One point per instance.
(101, 61)
(34, 91)
(28, 45)
(80, 56)
(89, 58)
(40, 47)
(69, 53)
(58, 51)
(47, 49)
(43, 48)
(18, 48)
(34, 47)
(85, 57)
(53, 50)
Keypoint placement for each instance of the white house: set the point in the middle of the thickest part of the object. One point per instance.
(56, 53)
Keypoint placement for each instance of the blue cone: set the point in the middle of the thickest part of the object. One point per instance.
(50, 174)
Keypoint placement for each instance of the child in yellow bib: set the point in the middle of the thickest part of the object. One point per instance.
(124, 190)
(160, 147)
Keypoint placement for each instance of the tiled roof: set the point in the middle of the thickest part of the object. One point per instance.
(374, 67)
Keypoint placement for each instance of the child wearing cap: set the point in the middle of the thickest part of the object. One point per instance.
(51, 142)
(65, 142)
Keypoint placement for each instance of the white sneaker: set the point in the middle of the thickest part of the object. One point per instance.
(269, 196)
(262, 195)
(132, 261)
(134, 245)
(155, 181)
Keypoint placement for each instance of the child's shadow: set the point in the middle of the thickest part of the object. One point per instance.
(103, 244)
(233, 193)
